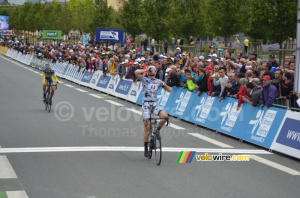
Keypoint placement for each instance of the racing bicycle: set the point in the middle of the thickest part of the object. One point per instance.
(154, 140)
(48, 96)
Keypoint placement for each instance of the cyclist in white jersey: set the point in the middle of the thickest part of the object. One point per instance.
(150, 87)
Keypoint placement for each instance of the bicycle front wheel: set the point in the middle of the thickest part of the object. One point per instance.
(157, 150)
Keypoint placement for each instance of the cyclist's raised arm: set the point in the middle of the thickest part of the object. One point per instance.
(139, 73)
(167, 88)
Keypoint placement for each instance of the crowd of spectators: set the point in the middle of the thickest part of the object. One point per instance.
(243, 76)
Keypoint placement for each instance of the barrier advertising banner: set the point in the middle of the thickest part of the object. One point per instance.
(287, 139)
(110, 35)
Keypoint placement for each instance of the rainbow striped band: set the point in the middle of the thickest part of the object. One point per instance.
(185, 157)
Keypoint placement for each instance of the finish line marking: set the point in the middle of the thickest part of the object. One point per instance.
(122, 148)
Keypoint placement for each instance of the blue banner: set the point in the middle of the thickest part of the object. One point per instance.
(181, 103)
(109, 35)
(289, 134)
(123, 87)
(87, 77)
(103, 81)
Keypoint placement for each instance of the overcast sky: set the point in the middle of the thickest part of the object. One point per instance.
(16, 1)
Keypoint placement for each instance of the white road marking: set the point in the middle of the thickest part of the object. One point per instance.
(134, 111)
(61, 82)
(210, 140)
(95, 95)
(16, 194)
(81, 90)
(274, 165)
(68, 85)
(6, 170)
(171, 124)
(176, 127)
(122, 148)
(36, 72)
(114, 103)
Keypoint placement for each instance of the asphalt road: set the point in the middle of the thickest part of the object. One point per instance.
(96, 122)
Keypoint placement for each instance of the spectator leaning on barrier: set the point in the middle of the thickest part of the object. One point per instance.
(242, 92)
(173, 79)
(202, 83)
(268, 94)
(255, 92)
(190, 81)
(286, 86)
(221, 80)
(228, 86)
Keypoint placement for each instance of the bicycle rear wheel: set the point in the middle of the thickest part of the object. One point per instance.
(157, 150)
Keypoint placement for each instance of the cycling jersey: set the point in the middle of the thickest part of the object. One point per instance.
(49, 76)
(150, 88)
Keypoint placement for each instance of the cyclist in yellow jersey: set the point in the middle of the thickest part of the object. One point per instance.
(49, 76)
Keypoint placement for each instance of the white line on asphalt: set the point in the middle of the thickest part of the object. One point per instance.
(36, 72)
(114, 103)
(6, 170)
(210, 140)
(68, 85)
(176, 126)
(274, 165)
(81, 90)
(171, 124)
(95, 95)
(134, 111)
(122, 148)
(61, 82)
(16, 194)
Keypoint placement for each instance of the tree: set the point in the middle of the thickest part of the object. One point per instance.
(103, 16)
(129, 17)
(83, 13)
(187, 18)
(156, 18)
(223, 17)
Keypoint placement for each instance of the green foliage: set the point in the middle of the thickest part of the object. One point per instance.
(130, 15)
(187, 18)
(155, 20)
(272, 20)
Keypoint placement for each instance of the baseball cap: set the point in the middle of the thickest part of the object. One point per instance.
(256, 72)
(143, 65)
(168, 69)
(253, 53)
(138, 60)
(178, 48)
(272, 56)
(183, 54)
(209, 55)
(209, 60)
(136, 63)
(266, 77)
(215, 55)
(130, 63)
(137, 49)
(208, 68)
(201, 57)
(133, 50)
(126, 61)
(143, 58)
